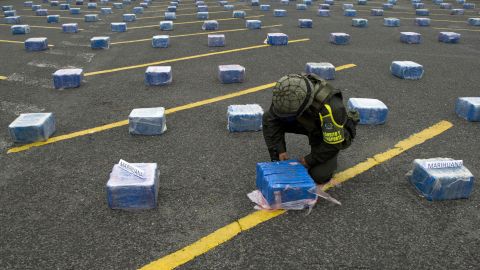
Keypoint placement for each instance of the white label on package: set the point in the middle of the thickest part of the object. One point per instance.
(131, 169)
(444, 164)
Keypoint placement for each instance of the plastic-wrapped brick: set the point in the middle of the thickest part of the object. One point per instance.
(446, 6)
(118, 5)
(418, 5)
(129, 17)
(253, 24)
(422, 21)
(362, 2)
(70, 27)
(119, 27)
(202, 9)
(36, 44)
(407, 70)
(387, 6)
(339, 38)
(469, 6)
(441, 179)
(301, 7)
(449, 37)
(91, 17)
(376, 12)
(64, 6)
(53, 18)
(172, 9)
(231, 73)
(67, 78)
(75, 11)
(264, 7)
(210, 25)
(305, 23)
(166, 25)
(391, 22)
(147, 121)
(239, 14)
(217, 40)
(32, 127)
(350, 13)
(347, 6)
(422, 12)
(138, 10)
(371, 111)
(158, 75)
(106, 11)
(243, 118)
(100, 42)
(323, 13)
(41, 12)
(323, 70)
(360, 22)
(20, 29)
(410, 37)
(170, 16)
(92, 5)
(12, 20)
(161, 41)
(277, 39)
(468, 108)
(474, 21)
(129, 192)
(324, 6)
(279, 13)
(285, 2)
(202, 15)
(228, 7)
(457, 11)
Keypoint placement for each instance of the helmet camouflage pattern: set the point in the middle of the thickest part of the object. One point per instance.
(290, 95)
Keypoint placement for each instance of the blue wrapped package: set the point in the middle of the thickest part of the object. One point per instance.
(161, 41)
(347, 6)
(307, 2)
(324, 6)
(100, 42)
(457, 11)
(284, 181)
(210, 25)
(437, 2)
(305, 23)
(301, 7)
(339, 38)
(231, 73)
(53, 18)
(422, 12)
(469, 6)
(104, 2)
(202, 15)
(20, 29)
(54, 3)
(127, 2)
(91, 17)
(106, 11)
(253, 24)
(174, 3)
(323, 13)
(36, 7)
(410, 37)
(75, 11)
(285, 2)
(422, 21)
(67, 78)
(129, 192)
(118, 27)
(129, 17)
(170, 16)
(407, 70)
(415, 1)
(10, 13)
(277, 39)
(138, 10)
(222, 3)
(441, 179)
(158, 75)
(264, 7)
(166, 25)
(243, 118)
(449, 37)
(279, 13)
(217, 40)
(329, 2)
(79, 2)
(12, 20)
(202, 9)
(372, 111)
(418, 5)
(28, 4)
(239, 14)
(118, 5)
(360, 22)
(144, 5)
(376, 12)
(362, 2)
(474, 21)
(349, 13)
(41, 12)
(324, 70)
(387, 6)
(460, 2)
(200, 3)
(393, 2)
(7, 8)
(70, 27)
(92, 5)
(32, 127)
(446, 6)
(228, 7)
(391, 22)
(64, 6)
(468, 108)
(147, 121)
(171, 9)
(36, 44)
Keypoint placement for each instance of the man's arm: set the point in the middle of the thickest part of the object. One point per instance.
(274, 135)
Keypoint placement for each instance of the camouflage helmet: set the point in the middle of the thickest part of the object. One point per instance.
(292, 95)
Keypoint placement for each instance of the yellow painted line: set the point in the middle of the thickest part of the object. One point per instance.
(168, 111)
(61, 17)
(433, 20)
(17, 42)
(3, 78)
(87, 11)
(185, 58)
(456, 29)
(193, 34)
(233, 229)
(190, 14)
(192, 22)
(411, 13)
(42, 27)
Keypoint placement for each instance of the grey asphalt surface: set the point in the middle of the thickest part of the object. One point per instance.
(53, 212)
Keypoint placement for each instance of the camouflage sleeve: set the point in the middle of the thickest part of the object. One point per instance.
(274, 135)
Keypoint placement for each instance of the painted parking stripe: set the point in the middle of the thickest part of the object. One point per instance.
(168, 111)
(61, 17)
(193, 34)
(18, 42)
(3, 78)
(41, 27)
(186, 58)
(455, 29)
(189, 14)
(193, 22)
(228, 232)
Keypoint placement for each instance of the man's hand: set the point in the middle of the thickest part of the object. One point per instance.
(283, 156)
(303, 162)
